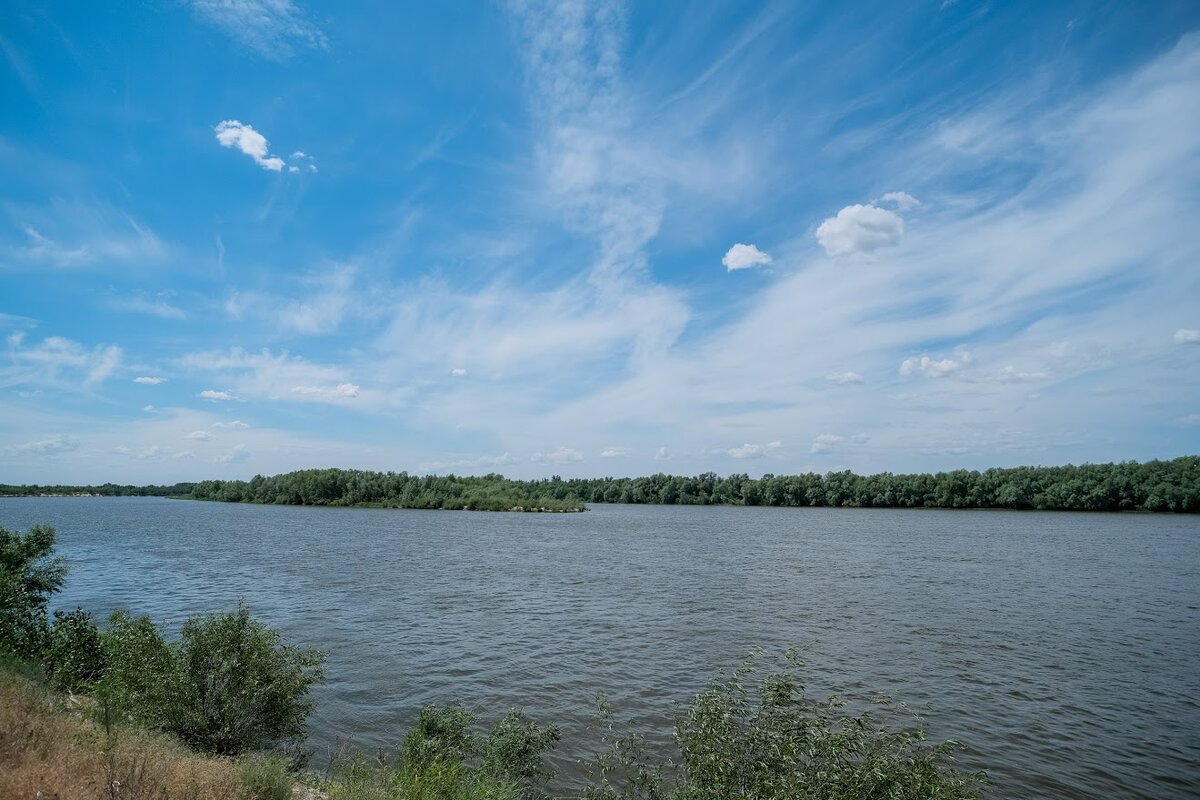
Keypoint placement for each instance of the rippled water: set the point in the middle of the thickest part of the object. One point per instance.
(1063, 648)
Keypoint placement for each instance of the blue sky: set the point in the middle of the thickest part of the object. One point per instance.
(248, 236)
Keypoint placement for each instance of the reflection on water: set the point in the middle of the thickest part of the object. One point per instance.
(1061, 647)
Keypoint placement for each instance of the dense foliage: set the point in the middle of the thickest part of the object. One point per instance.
(341, 487)
(1128, 486)
(29, 574)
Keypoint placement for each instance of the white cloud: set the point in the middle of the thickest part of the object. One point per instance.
(58, 363)
(213, 394)
(936, 368)
(50, 446)
(328, 392)
(232, 133)
(1011, 374)
(662, 453)
(109, 359)
(827, 442)
(76, 234)
(150, 409)
(563, 455)
(202, 436)
(458, 372)
(746, 451)
(469, 464)
(744, 256)
(613, 452)
(860, 229)
(236, 424)
(843, 378)
(156, 307)
(238, 455)
(902, 200)
(1187, 336)
(272, 28)
(150, 380)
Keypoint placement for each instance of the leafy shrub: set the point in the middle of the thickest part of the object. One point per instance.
(141, 682)
(514, 748)
(228, 686)
(28, 576)
(74, 653)
(239, 687)
(442, 733)
(769, 740)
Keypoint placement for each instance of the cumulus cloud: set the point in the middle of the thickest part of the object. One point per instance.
(1187, 336)
(843, 378)
(903, 201)
(458, 372)
(328, 392)
(752, 450)
(213, 394)
(148, 379)
(202, 436)
(744, 256)
(662, 453)
(563, 455)
(232, 133)
(150, 409)
(613, 452)
(236, 424)
(936, 368)
(860, 229)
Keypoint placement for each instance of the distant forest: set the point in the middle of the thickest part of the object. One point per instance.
(103, 490)
(1129, 486)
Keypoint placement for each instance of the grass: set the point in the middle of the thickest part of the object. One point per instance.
(53, 747)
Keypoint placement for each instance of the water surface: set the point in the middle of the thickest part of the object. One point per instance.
(1063, 648)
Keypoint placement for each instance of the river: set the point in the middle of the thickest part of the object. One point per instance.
(1063, 649)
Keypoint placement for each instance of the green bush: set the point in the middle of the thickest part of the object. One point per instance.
(74, 654)
(768, 740)
(239, 687)
(514, 748)
(442, 734)
(142, 682)
(28, 576)
(227, 686)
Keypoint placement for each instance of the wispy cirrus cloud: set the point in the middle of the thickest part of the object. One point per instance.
(273, 29)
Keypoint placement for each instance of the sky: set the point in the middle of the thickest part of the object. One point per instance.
(587, 239)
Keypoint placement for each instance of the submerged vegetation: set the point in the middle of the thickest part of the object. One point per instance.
(228, 688)
(1128, 486)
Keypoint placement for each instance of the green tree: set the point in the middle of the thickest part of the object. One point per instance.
(29, 574)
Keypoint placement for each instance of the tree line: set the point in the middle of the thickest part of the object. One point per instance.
(103, 490)
(1127, 486)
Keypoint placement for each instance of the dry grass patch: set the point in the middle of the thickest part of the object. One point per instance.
(50, 749)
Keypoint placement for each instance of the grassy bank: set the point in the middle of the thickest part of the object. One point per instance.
(55, 746)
